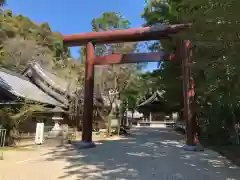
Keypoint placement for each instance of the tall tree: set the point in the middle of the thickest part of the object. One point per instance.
(22, 41)
(111, 21)
(169, 72)
(214, 35)
(17, 53)
(112, 79)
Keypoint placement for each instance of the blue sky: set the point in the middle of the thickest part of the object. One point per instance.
(74, 16)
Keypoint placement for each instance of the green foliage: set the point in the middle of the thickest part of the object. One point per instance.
(17, 115)
(109, 21)
(12, 115)
(133, 93)
(23, 41)
(167, 78)
(214, 35)
(18, 25)
(114, 77)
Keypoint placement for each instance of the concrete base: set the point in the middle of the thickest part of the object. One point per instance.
(189, 148)
(83, 144)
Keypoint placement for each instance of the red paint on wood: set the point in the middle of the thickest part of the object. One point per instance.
(126, 35)
(132, 58)
(88, 94)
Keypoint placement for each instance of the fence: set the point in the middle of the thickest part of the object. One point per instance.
(2, 141)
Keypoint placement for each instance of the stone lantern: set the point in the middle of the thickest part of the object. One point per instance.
(114, 120)
(57, 118)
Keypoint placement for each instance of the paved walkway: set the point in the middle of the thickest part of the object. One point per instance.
(149, 154)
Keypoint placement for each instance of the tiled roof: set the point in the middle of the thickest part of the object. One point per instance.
(59, 85)
(52, 78)
(20, 86)
(156, 96)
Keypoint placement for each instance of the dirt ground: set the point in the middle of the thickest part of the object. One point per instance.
(148, 154)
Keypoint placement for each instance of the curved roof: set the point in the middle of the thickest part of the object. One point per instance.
(20, 86)
(158, 95)
(59, 86)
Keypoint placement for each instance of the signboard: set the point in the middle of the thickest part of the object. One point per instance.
(39, 133)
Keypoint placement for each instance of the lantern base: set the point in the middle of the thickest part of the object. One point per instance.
(83, 144)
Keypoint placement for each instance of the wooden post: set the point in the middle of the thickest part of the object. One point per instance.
(88, 94)
(186, 87)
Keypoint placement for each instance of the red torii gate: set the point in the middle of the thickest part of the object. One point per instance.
(131, 35)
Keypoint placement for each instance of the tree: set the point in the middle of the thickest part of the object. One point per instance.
(12, 116)
(22, 42)
(18, 25)
(214, 35)
(17, 53)
(135, 91)
(112, 78)
(167, 78)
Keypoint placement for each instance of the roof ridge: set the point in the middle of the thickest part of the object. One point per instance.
(13, 73)
(152, 97)
(21, 86)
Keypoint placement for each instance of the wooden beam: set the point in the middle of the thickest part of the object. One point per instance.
(127, 35)
(132, 58)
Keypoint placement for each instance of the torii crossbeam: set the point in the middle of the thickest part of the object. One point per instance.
(128, 35)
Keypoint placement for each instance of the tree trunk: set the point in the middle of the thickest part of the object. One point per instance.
(235, 130)
(10, 139)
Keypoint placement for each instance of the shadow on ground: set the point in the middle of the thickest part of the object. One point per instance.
(148, 154)
(231, 152)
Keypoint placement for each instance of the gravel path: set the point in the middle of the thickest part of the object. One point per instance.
(149, 154)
